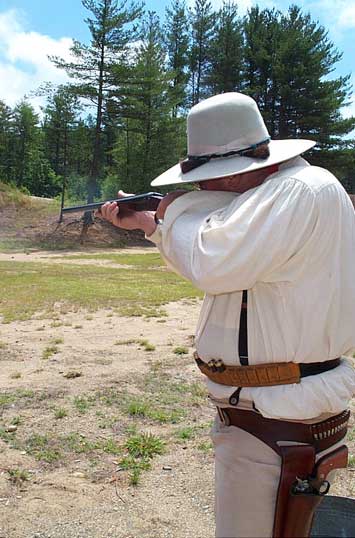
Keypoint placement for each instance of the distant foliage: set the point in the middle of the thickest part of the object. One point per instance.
(140, 76)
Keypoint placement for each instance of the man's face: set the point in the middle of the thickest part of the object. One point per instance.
(238, 182)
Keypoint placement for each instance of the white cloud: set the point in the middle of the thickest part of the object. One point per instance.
(24, 64)
(243, 5)
(346, 17)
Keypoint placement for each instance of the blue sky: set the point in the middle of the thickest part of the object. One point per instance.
(31, 29)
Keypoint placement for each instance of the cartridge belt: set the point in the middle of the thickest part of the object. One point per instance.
(262, 375)
(321, 435)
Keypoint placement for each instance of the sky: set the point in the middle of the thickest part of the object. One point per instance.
(30, 30)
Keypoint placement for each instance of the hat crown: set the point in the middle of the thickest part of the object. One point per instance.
(223, 123)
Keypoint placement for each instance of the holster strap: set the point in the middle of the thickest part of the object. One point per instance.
(320, 435)
(261, 375)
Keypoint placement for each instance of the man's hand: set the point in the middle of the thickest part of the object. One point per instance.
(127, 218)
(136, 220)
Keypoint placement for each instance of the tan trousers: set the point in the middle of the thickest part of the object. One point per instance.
(247, 477)
(247, 474)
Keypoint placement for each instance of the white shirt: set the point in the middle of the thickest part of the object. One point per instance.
(291, 243)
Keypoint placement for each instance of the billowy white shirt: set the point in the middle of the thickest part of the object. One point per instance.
(291, 243)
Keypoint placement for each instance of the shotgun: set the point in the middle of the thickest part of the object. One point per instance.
(148, 201)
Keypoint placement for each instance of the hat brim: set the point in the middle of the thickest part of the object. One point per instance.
(280, 151)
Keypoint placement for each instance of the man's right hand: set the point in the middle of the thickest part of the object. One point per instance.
(127, 218)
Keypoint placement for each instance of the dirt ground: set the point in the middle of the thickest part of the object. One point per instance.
(91, 498)
(71, 499)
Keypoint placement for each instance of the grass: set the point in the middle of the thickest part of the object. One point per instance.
(18, 476)
(145, 408)
(11, 397)
(141, 449)
(351, 461)
(29, 287)
(49, 351)
(60, 413)
(84, 403)
(42, 448)
(180, 350)
(146, 261)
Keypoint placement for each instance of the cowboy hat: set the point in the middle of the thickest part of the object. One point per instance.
(220, 131)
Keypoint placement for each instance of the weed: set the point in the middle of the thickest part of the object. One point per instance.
(57, 341)
(205, 446)
(351, 435)
(83, 404)
(15, 375)
(111, 447)
(138, 408)
(6, 399)
(39, 447)
(186, 433)
(16, 421)
(72, 374)
(351, 461)
(18, 476)
(144, 445)
(49, 351)
(2, 345)
(181, 350)
(77, 327)
(60, 412)
(6, 436)
(125, 342)
(79, 443)
(146, 345)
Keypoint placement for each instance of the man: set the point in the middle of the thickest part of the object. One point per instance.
(270, 240)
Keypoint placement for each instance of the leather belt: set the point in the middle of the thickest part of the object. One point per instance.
(321, 435)
(262, 375)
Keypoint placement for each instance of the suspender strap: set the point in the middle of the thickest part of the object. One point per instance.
(243, 331)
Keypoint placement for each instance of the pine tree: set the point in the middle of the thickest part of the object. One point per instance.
(288, 62)
(30, 168)
(226, 52)
(203, 30)
(60, 119)
(149, 137)
(5, 136)
(177, 43)
(111, 34)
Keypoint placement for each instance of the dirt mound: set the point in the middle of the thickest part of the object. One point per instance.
(35, 228)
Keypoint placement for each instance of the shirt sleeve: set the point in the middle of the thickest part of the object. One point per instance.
(223, 242)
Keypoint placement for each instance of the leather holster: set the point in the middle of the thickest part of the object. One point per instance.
(301, 488)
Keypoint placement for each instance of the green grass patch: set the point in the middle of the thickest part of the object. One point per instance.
(60, 413)
(84, 403)
(49, 351)
(140, 448)
(150, 409)
(180, 350)
(18, 476)
(187, 433)
(135, 260)
(43, 449)
(9, 398)
(30, 287)
(351, 461)
(205, 446)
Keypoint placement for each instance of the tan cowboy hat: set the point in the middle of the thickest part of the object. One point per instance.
(220, 130)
